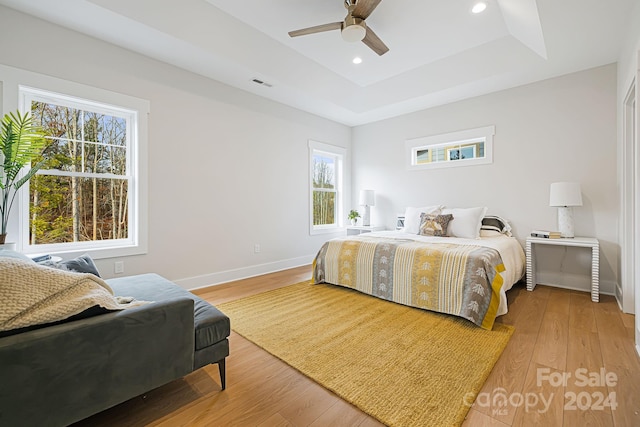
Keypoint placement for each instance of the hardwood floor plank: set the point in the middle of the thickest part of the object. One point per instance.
(581, 314)
(507, 376)
(276, 420)
(479, 419)
(340, 414)
(559, 300)
(530, 315)
(551, 344)
(608, 317)
(370, 422)
(627, 397)
(582, 403)
(542, 400)
(307, 407)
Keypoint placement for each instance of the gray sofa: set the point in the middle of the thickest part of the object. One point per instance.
(65, 372)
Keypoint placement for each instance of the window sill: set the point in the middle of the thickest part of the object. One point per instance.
(94, 251)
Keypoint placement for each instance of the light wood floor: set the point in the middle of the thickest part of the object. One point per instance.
(557, 332)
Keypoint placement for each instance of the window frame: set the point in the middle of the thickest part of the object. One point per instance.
(339, 154)
(451, 141)
(15, 84)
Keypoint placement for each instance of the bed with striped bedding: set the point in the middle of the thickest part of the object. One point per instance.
(461, 277)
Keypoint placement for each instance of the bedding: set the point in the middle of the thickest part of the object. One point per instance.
(463, 277)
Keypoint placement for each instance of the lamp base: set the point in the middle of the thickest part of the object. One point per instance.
(366, 217)
(565, 221)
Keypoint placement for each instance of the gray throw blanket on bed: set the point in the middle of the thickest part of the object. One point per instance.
(31, 294)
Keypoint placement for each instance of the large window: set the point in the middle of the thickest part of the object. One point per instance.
(86, 195)
(326, 169)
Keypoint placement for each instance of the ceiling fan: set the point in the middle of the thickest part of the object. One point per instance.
(353, 28)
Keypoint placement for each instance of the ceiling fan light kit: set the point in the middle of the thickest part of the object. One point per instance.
(354, 32)
(353, 28)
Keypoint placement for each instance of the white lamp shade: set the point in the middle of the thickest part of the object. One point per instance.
(367, 198)
(565, 194)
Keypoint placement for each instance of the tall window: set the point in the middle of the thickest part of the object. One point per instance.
(83, 195)
(326, 167)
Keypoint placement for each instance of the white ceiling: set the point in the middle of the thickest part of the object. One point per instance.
(439, 51)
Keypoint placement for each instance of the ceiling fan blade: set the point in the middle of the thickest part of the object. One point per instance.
(374, 42)
(316, 29)
(364, 8)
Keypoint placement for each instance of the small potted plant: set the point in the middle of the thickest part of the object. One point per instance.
(21, 142)
(353, 216)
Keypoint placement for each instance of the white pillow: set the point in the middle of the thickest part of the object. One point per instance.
(466, 223)
(412, 217)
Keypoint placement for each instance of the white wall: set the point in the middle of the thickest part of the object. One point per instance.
(227, 169)
(562, 129)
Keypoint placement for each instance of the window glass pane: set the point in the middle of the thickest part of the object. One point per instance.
(59, 121)
(324, 204)
(64, 208)
(423, 156)
(324, 171)
(61, 154)
(99, 158)
(105, 129)
(70, 209)
(449, 152)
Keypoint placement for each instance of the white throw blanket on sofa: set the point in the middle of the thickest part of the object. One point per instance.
(31, 294)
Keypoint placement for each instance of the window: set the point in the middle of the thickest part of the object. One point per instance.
(326, 179)
(464, 148)
(86, 196)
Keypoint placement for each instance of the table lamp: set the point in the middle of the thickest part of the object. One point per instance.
(565, 195)
(367, 199)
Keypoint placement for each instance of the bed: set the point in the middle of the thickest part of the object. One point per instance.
(465, 277)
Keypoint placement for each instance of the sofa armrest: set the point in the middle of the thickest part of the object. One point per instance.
(63, 373)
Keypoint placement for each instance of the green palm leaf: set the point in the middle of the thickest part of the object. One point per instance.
(20, 143)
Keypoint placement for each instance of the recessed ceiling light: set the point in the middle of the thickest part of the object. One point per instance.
(357, 60)
(479, 7)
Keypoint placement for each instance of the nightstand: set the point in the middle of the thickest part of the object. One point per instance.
(583, 242)
(353, 230)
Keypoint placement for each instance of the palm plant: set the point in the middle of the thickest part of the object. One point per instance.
(20, 143)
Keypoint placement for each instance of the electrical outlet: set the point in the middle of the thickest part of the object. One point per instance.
(256, 248)
(118, 267)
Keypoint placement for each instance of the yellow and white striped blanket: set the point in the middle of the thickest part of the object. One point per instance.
(463, 280)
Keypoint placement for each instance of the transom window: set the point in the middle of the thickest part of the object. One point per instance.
(462, 148)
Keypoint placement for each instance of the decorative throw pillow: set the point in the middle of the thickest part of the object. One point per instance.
(434, 225)
(412, 217)
(82, 264)
(495, 223)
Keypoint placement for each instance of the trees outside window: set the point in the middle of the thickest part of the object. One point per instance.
(83, 192)
(326, 170)
(324, 189)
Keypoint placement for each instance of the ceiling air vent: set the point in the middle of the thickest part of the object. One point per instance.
(263, 83)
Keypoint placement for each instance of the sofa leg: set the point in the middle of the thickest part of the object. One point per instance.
(222, 369)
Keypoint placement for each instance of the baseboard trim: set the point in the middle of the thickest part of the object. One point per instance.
(580, 289)
(203, 281)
